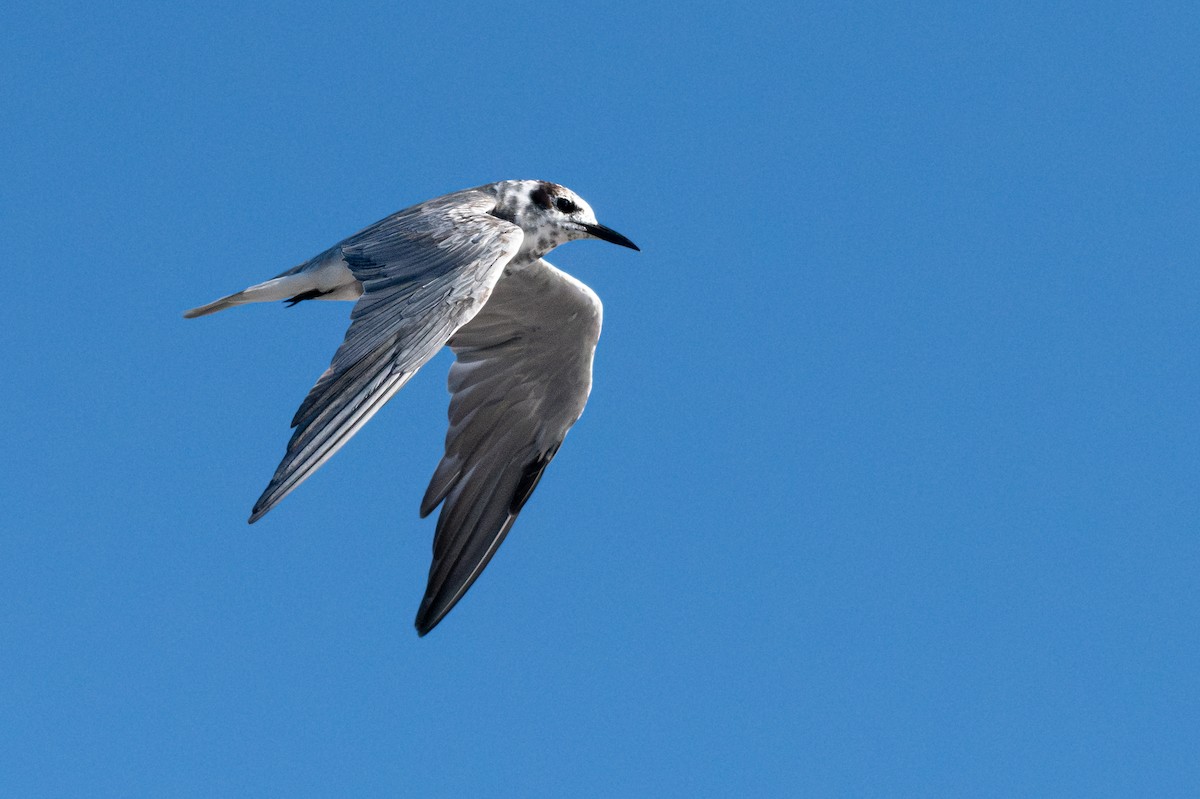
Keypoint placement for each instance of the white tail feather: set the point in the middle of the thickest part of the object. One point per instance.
(283, 287)
(213, 307)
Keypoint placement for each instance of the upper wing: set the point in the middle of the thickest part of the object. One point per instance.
(521, 377)
(425, 272)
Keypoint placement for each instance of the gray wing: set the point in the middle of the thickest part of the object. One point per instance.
(521, 377)
(425, 271)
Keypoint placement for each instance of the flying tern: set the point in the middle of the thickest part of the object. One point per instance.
(465, 270)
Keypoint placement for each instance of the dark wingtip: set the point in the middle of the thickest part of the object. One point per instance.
(425, 621)
(260, 508)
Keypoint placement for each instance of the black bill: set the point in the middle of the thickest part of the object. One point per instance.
(608, 234)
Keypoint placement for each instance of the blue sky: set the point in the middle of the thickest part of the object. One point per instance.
(888, 481)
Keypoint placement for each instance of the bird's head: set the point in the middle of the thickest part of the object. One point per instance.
(551, 215)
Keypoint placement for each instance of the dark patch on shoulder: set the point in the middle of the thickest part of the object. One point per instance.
(541, 197)
(529, 480)
(355, 259)
(507, 216)
(311, 294)
(362, 266)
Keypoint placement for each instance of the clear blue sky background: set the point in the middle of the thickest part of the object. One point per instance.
(888, 483)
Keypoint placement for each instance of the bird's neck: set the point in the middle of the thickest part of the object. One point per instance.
(537, 244)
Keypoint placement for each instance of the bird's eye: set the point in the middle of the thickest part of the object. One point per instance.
(565, 205)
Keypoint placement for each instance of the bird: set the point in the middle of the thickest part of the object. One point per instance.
(466, 270)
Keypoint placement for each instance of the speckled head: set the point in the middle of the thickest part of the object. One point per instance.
(550, 215)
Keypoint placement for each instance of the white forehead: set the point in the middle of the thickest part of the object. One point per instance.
(563, 191)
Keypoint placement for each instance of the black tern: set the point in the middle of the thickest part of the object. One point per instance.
(465, 270)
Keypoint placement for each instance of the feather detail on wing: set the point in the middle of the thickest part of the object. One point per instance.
(425, 272)
(520, 380)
